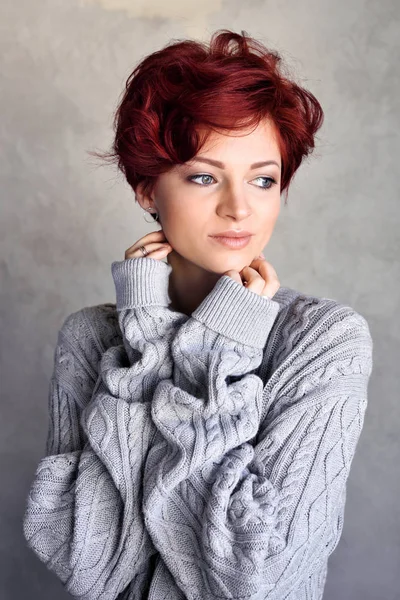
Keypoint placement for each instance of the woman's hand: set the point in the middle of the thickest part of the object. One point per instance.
(260, 277)
(155, 243)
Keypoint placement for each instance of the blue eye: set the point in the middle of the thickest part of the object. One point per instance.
(271, 181)
(192, 177)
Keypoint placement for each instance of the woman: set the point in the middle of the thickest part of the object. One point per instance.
(202, 428)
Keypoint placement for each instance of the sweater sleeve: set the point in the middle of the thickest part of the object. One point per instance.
(250, 480)
(83, 515)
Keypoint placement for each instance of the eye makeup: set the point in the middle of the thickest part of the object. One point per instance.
(191, 179)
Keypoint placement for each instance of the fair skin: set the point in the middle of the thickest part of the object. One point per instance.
(215, 199)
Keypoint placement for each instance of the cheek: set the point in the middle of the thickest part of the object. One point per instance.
(183, 218)
(272, 212)
(180, 231)
(268, 224)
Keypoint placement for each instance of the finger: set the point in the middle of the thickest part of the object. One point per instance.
(150, 237)
(250, 273)
(254, 281)
(267, 282)
(150, 248)
(270, 276)
(264, 267)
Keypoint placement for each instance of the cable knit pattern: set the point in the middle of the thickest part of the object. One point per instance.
(199, 457)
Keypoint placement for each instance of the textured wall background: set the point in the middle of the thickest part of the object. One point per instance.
(64, 220)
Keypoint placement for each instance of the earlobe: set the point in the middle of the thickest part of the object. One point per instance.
(145, 202)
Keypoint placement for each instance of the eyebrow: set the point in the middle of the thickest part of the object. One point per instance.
(220, 165)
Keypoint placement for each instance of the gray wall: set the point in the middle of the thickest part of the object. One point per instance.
(64, 220)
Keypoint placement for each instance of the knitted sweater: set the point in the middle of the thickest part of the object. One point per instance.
(199, 457)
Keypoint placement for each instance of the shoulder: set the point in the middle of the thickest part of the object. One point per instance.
(90, 330)
(314, 325)
(302, 311)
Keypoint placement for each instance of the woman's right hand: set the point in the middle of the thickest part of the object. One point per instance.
(155, 243)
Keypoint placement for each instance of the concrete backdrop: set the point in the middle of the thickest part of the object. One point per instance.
(64, 220)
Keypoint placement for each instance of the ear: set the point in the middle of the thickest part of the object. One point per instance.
(145, 201)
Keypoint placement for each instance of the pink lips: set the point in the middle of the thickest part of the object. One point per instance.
(233, 233)
(235, 243)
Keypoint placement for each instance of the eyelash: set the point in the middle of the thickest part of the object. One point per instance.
(192, 177)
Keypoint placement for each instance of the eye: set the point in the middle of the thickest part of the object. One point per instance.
(271, 181)
(193, 177)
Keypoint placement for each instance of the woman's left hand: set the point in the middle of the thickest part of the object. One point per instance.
(260, 277)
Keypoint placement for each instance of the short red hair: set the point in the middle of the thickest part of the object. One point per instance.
(233, 82)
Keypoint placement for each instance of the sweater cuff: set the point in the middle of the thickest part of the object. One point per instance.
(238, 313)
(141, 282)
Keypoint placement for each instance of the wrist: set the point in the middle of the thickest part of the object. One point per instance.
(238, 313)
(140, 282)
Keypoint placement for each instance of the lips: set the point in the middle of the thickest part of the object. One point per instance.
(231, 242)
(233, 234)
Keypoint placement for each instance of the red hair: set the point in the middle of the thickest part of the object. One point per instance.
(232, 83)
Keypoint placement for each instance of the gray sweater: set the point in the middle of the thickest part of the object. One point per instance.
(199, 457)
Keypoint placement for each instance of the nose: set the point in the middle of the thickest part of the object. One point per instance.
(234, 204)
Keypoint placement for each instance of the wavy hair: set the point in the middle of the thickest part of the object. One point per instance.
(189, 87)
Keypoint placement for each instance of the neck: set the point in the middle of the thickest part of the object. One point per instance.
(189, 284)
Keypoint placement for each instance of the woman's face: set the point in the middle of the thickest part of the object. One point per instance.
(199, 199)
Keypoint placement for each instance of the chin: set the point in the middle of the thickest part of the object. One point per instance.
(219, 265)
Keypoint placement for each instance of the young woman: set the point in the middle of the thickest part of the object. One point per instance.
(202, 428)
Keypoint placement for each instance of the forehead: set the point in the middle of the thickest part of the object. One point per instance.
(250, 140)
